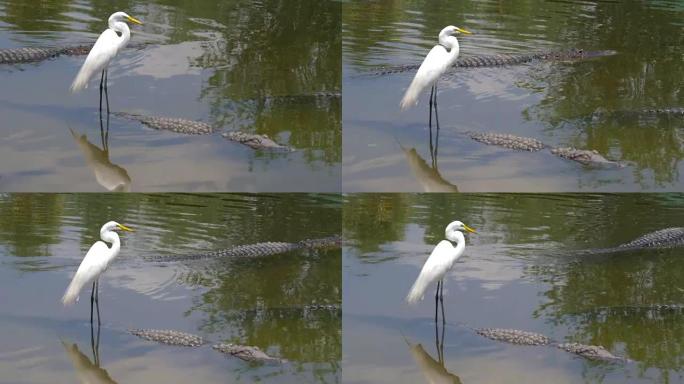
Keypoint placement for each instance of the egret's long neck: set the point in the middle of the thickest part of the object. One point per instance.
(450, 42)
(458, 238)
(111, 237)
(121, 27)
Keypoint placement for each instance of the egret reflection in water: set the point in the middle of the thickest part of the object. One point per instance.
(112, 177)
(428, 176)
(434, 370)
(87, 371)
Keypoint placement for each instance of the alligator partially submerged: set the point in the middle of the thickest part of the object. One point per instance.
(255, 141)
(169, 337)
(519, 143)
(259, 249)
(36, 54)
(518, 337)
(192, 127)
(513, 336)
(32, 55)
(183, 339)
(184, 126)
(660, 239)
(501, 60)
(591, 352)
(247, 353)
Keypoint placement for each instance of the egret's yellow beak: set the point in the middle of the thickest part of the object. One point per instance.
(124, 228)
(467, 228)
(134, 20)
(463, 31)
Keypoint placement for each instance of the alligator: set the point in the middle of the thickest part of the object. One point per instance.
(513, 336)
(582, 156)
(518, 337)
(591, 352)
(500, 60)
(259, 249)
(177, 338)
(247, 353)
(255, 141)
(36, 54)
(660, 239)
(187, 127)
(169, 337)
(192, 127)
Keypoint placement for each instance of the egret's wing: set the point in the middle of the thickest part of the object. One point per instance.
(439, 261)
(432, 67)
(434, 269)
(92, 265)
(100, 55)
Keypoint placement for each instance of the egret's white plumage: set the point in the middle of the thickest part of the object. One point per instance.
(440, 261)
(436, 62)
(95, 261)
(110, 42)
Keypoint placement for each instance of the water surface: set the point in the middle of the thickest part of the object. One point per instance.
(518, 271)
(388, 150)
(250, 66)
(257, 302)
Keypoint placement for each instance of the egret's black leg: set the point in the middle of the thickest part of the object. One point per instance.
(441, 300)
(92, 341)
(97, 300)
(101, 81)
(430, 117)
(96, 352)
(437, 301)
(106, 136)
(102, 133)
(441, 344)
(106, 89)
(92, 298)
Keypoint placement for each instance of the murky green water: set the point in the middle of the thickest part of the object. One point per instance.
(550, 102)
(519, 271)
(230, 63)
(254, 302)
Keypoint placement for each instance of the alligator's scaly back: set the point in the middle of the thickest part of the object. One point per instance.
(32, 55)
(513, 336)
(188, 127)
(27, 55)
(167, 336)
(258, 250)
(519, 143)
(508, 141)
(661, 239)
(500, 60)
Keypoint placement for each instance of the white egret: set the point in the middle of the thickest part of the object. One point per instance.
(439, 263)
(437, 61)
(94, 263)
(110, 42)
